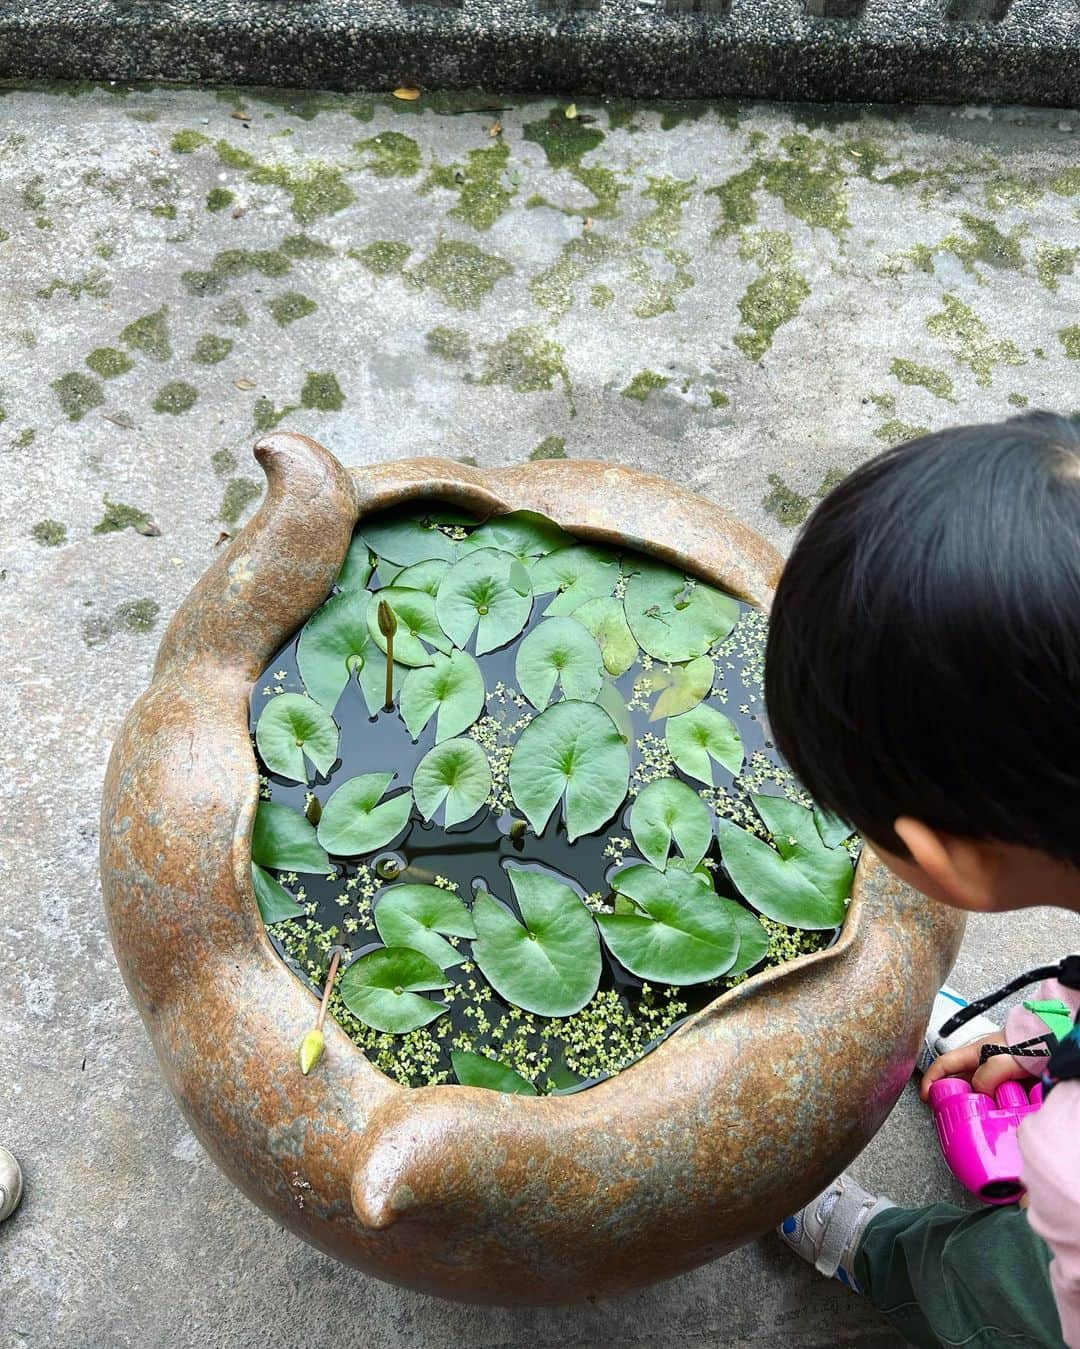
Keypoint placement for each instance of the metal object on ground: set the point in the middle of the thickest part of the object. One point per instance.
(742, 1115)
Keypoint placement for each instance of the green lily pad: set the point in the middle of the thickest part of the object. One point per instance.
(353, 821)
(406, 538)
(457, 772)
(276, 905)
(675, 619)
(335, 643)
(665, 811)
(682, 687)
(452, 686)
(551, 965)
(572, 749)
(753, 940)
(292, 726)
(414, 915)
(606, 620)
(478, 594)
(614, 704)
(577, 574)
(386, 573)
(559, 650)
(832, 830)
(800, 882)
(685, 933)
(383, 988)
(416, 625)
(356, 570)
(698, 738)
(424, 576)
(477, 1070)
(523, 533)
(284, 841)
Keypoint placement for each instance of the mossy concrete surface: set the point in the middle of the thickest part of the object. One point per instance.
(749, 299)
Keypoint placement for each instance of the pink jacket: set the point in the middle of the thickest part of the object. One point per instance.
(1048, 1142)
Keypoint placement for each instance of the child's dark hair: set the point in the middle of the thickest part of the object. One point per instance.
(924, 649)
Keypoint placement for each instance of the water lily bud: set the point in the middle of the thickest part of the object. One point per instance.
(387, 619)
(311, 1050)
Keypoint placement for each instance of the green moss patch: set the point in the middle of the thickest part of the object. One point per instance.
(77, 394)
(150, 335)
(391, 154)
(986, 243)
(303, 246)
(1070, 340)
(93, 283)
(210, 349)
(937, 381)
(643, 384)
(449, 344)
(133, 616)
(896, 432)
(551, 447)
(119, 516)
(232, 264)
(460, 274)
(322, 391)
(223, 462)
(238, 496)
(219, 199)
(1053, 261)
(175, 397)
(187, 142)
(970, 340)
(109, 363)
(49, 533)
(233, 313)
(290, 306)
(528, 361)
(484, 190)
(384, 257)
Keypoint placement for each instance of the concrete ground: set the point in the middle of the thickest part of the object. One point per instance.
(751, 300)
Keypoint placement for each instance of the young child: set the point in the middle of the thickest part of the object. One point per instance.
(923, 681)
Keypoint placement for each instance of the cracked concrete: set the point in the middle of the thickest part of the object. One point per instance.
(749, 299)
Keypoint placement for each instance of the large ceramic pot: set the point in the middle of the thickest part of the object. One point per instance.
(742, 1114)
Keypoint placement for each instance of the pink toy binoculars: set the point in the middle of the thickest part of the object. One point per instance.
(978, 1135)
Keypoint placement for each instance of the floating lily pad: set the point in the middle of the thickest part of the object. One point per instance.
(334, 644)
(800, 882)
(417, 626)
(275, 903)
(551, 965)
(831, 828)
(675, 619)
(424, 576)
(753, 940)
(456, 772)
(452, 686)
(414, 915)
(354, 822)
(577, 574)
(523, 533)
(559, 650)
(383, 988)
(606, 620)
(292, 727)
(357, 568)
(614, 704)
(283, 840)
(669, 811)
(407, 538)
(478, 594)
(682, 687)
(477, 1070)
(684, 934)
(386, 572)
(698, 738)
(572, 749)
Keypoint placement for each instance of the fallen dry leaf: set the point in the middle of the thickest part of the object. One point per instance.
(154, 150)
(240, 115)
(244, 383)
(223, 537)
(407, 94)
(125, 422)
(588, 223)
(495, 129)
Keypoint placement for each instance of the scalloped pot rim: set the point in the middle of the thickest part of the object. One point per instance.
(471, 1194)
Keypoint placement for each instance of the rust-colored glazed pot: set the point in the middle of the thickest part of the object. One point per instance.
(741, 1115)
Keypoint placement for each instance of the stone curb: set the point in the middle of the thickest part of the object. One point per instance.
(1011, 51)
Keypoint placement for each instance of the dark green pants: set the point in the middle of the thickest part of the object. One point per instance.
(948, 1276)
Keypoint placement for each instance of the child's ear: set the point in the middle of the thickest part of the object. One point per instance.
(964, 872)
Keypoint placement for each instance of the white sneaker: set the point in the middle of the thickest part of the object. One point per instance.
(947, 1003)
(11, 1184)
(827, 1232)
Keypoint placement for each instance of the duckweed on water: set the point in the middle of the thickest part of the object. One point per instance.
(108, 362)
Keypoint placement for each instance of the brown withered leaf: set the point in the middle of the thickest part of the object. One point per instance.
(495, 129)
(223, 537)
(244, 383)
(407, 94)
(241, 115)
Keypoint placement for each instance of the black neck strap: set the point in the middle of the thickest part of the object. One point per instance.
(1066, 972)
